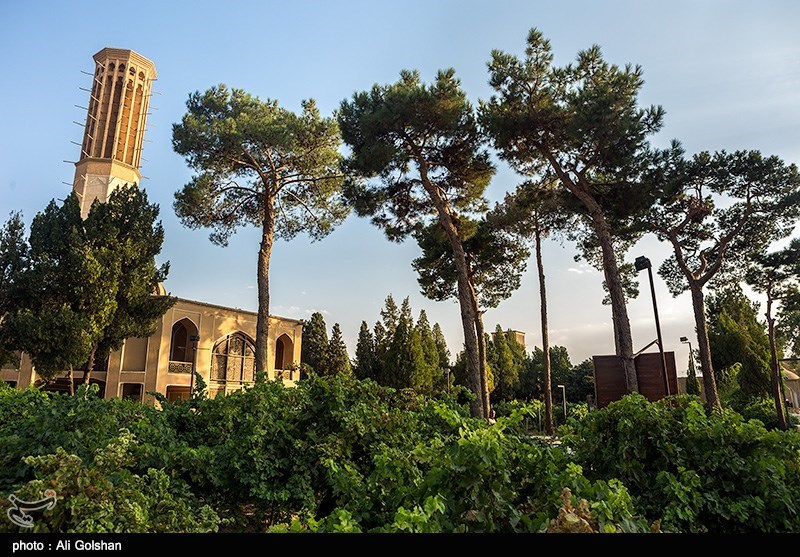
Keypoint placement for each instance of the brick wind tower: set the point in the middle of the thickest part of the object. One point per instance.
(115, 125)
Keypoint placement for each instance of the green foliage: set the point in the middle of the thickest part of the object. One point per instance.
(421, 166)
(737, 337)
(314, 350)
(692, 383)
(497, 261)
(698, 471)
(507, 359)
(246, 150)
(105, 496)
(337, 359)
(79, 287)
(365, 364)
(580, 137)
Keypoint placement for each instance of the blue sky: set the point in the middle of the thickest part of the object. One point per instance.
(727, 73)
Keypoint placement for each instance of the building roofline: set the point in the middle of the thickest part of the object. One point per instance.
(217, 306)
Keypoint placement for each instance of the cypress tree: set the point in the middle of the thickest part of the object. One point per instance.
(364, 365)
(338, 360)
(314, 352)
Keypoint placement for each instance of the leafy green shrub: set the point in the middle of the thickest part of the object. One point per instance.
(105, 496)
(699, 472)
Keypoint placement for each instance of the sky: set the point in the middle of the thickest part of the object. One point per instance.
(726, 72)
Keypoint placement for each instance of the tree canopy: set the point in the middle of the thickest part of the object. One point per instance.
(421, 161)
(260, 165)
(581, 125)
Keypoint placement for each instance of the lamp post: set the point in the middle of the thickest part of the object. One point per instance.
(563, 400)
(195, 339)
(685, 340)
(641, 264)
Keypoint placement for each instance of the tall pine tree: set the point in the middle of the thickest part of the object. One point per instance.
(314, 352)
(338, 362)
(364, 364)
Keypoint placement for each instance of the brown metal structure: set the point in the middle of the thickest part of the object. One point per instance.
(609, 377)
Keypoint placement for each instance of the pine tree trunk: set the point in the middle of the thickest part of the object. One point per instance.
(89, 368)
(264, 253)
(469, 319)
(704, 348)
(479, 330)
(623, 341)
(548, 386)
(622, 326)
(777, 392)
(71, 381)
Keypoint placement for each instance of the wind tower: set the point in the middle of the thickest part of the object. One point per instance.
(115, 125)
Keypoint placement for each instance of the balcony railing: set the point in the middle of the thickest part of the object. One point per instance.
(180, 367)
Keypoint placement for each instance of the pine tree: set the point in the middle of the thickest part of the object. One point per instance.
(581, 124)
(260, 165)
(444, 357)
(508, 361)
(338, 361)
(737, 337)
(382, 341)
(717, 211)
(314, 352)
(692, 383)
(389, 316)
(775, 275)
(421, 158)
(405, 365)
(364, 365)
(430, 350)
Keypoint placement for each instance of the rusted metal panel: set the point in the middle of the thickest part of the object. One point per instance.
(609, 378)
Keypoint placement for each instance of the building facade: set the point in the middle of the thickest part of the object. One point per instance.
(216, 341)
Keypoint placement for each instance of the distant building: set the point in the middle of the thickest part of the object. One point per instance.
(519, 336)
(110, 157)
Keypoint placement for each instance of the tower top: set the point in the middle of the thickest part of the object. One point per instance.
(110, 53)
(115, 124)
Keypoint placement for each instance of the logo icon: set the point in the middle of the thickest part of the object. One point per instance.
(18, 512)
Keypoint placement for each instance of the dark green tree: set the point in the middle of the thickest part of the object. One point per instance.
(364, 364)
(776, 275)
(405, 365)
(128, 232)
(338, 362)
(14, 258)
(495, 263)
(738, 341)
(86, 285)
(580, 381)
(508, 360)
(261, 165)
(444, 356)
(716, 211)
(314, 351)
(390, 314)
(382, 341)
(581, 125)
(430, 349)
(692, 383)
(421, 148)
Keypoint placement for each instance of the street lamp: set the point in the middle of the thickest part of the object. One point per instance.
(563, 400)
(641, 264)
(685, 340)
(195, 339)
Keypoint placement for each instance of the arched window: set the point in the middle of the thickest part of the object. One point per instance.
(233, 360)
(181, 349)
(284, 352)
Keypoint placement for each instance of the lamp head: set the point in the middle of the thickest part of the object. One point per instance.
(684, 339)
(641, 263)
